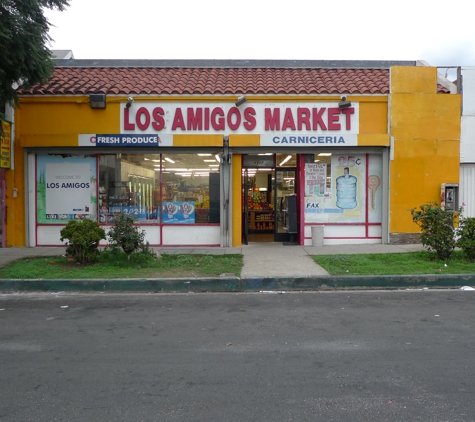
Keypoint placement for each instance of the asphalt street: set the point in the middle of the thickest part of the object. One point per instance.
(331, 356)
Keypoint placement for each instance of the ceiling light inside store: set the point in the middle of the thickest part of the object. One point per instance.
(169, 160)
(146, 159)
(204, 155)
(316, 161)
(324, 154)
(217, 158)
(156, 161)
(214, 165)
(209, 161)
(266, 153)
(264, 169)
(285, 160)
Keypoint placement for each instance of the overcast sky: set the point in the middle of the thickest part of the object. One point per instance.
(440, 32)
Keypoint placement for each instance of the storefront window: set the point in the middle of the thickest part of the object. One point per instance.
(128, 184)
(187, 193)
(191, 191)
(336, 189)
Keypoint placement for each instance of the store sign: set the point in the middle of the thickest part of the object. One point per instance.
(68, 188)
(121, 140)
(257, 161)
(5, 146)
(278, 124)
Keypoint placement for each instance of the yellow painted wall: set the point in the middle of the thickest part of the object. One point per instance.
(374, 116)
(425, 127)
(41, 122)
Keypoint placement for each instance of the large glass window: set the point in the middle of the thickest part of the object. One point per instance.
(191, 190)
(168, 188)
(343, 188)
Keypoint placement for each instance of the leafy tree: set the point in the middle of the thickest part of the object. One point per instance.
(25, 58)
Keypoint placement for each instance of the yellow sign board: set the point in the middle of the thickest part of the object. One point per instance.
(5, 146)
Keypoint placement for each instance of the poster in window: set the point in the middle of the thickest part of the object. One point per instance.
(178, 213)
(66, 188)
(344, 197)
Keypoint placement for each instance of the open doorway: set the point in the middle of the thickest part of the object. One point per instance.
(269, 198)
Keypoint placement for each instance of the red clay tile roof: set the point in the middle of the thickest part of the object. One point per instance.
(227, 78)
(210, 81)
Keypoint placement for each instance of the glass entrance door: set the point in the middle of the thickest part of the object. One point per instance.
(258, 205)
(286, 227)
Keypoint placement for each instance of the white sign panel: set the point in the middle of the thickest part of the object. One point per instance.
(306, 123)
(68, 188)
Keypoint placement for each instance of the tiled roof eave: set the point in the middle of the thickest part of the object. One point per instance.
(212, 81)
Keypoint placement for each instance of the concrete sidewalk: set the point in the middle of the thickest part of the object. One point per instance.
(267, 267)
(260, 259)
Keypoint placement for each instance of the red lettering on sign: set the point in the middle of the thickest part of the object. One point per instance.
(195, 120)
(272, 119)
(348, 112)
(234, 111)
(142, 125)
(250, 120)
(217, 123)
(159, 121)
(206, 118)
(127, 124)
(288, 122)
(318, 118)
(178, 121)
(334, 119)
(303, 118)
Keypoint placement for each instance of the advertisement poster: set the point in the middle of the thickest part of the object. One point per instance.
(140, 213)
(66, 188)
(315, 179)
(345, 201)
(375, 195)
(5, 146)
(178, 213)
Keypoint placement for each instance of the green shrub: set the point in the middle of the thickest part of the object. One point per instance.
(82, 239)
(125, 235)
(466, 236)
(437, 229)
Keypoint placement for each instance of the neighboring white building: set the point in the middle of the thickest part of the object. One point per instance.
(467, 142)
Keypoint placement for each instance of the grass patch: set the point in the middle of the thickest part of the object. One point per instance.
(411, 263)
(115, 265)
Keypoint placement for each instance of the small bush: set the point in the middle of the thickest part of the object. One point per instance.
(437, 229)
(82, 239)
(125, 235)
(466, 236)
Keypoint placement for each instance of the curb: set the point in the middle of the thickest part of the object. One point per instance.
(236, 284)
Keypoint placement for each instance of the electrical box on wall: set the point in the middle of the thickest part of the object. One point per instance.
(449, 196)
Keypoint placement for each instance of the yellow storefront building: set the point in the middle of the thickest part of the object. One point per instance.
(223, 153)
